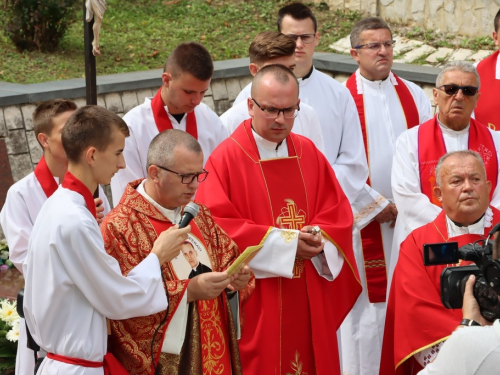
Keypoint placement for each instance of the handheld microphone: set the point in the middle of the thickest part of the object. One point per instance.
(190, 212)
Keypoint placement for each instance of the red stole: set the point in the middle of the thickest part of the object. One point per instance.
(72, 183)
(371, 235)
(416, 318)
(163, 121)
(45, 177)
(431, 147)
(486, 111)
(214, 338)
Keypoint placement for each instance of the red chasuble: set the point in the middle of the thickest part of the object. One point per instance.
(45, 177)
(163, 121)
(416, 319)
(371, 235)
(214, 340)
(431, 147)
(289, 325)
(487, 111)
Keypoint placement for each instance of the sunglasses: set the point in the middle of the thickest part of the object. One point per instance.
(453, 89)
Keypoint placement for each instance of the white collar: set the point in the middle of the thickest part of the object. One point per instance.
(497, 74)
(477, 228)
(270, 148)
(172, 215)
(452, 132)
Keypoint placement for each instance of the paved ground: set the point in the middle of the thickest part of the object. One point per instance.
(411, 51)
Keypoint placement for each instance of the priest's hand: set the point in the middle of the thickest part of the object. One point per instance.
(207, 285)
(388, 214)
(168, 244)
(240, 280)
(309, 244)
(99, 210)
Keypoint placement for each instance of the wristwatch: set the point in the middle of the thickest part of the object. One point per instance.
(469, 323)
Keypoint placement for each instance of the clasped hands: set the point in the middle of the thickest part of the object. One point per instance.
(310, 244)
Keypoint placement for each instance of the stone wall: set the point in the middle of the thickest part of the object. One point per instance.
(20, 151)
(470, 17)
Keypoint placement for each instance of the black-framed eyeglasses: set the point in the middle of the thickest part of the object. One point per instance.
(453, 89)
(376, 46)
(306, 38)
(188, 178)
(271, 112)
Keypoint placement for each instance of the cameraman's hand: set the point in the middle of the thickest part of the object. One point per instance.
(207, 285)
(470, 307)
(168, 244)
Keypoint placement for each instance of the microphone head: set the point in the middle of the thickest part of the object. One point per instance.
(192, 209)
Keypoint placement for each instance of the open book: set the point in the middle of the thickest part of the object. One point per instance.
(244, 258)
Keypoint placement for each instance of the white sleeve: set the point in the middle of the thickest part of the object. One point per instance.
(316, 135)
(132, 171)
(367, 205)
(468, 351)
(329, 263)
(414, 208)
(351, 168)
(141, 293)
(17, 226)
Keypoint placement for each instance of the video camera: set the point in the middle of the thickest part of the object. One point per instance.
(453, 279)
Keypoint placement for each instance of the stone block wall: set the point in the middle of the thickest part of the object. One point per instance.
(471, 17)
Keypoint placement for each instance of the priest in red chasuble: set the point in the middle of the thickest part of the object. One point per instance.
(271, 187)
(196, 335)
(417, 323)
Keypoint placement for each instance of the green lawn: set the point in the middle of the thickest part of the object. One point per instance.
(139, 34)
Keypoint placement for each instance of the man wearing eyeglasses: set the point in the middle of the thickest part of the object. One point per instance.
(333, 105)
(387, 105)
(274, 188)
(486, 111)
(273, 47)
(198, 316)
(177, 105)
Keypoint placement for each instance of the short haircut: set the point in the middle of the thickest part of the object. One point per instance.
(463, 66)
(496, 22)
(280, 73)
(461, 154)
(192, 58)
(90, 126)
(369, 23)
(297, 11)
(270, 45)
(45, 112)
(162, 147)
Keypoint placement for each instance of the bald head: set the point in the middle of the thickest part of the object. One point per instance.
(162, 148)
(282, 75)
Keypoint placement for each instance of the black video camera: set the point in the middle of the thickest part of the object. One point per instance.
(453, 279)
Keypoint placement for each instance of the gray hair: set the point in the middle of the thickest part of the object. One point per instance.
(462, 154)
(369, 23)
(162, 147)
(463, 66)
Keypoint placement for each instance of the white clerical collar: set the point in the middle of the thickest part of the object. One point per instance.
(497, 74)
(477, 228)
(173, 215)
(268, 149)
(452, 132)
(389, 80)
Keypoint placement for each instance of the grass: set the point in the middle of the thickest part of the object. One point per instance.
(138, 35)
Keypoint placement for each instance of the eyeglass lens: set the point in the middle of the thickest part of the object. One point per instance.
(306, 38)
(189, 178)
(466, 90)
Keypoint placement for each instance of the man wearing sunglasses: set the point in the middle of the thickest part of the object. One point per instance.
(177, 105)
(487, 111)
(198, 314)
(274, 188)
(419, 149)
(387, 106)
(333, 105)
